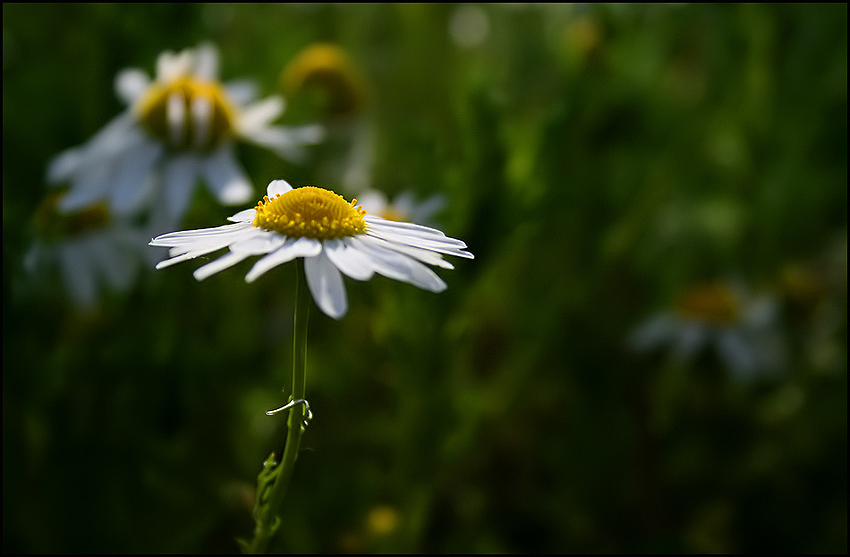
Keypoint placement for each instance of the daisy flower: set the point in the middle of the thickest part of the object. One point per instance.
(92, 250)
(178, 128)
(404, 208)
(323, 76)
(333, 236)
(741, 329)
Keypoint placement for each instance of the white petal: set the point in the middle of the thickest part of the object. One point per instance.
(294, 247)
(738, 354)
(64, 164)
(182, 236)
(179, 177)
(360, 158)
(326, 285)
(131, 84)
(445, 245)
(118, 139)
(202, 114)
(183, 257)
(114, 261)
(132, 178)
(399, 267)
(655, 331)
(286, 142)
(391, 229)
(760, 313)
(225, 176)
(262, 242)
(122, 135)
(306, 135)
(405, 226)
(89, 184)
(206, 62)
(277, 187)
(690, 338)
(425, 210)
(248, 215)
(224, 262)
(349, 260)
(204, 246)
(194, 243)
(171, 66)
(421, 239)
(373, 201)
(175, 114)
(82, 194)
(404, 203)
(119, 136)
(259, 115)
(242, 91)
(423, 255)
(425, 278)
(384, 263)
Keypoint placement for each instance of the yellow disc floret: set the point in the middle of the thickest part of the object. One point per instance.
(326, 67)
(312, 212)
(712, 303)
(187, 113)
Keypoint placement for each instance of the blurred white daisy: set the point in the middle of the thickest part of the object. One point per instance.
(178, 128)
(324, 76)
(92, 251)
(741, 329)
(403, 208)
(331, 234)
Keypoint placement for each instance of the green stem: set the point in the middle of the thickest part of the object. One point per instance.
(267, 511)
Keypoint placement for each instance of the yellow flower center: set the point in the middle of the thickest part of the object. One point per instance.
(382, 520)
(53, 224)
(187, 113)
(312, 212)
(802, 288)
(326, 67)
(712, 303)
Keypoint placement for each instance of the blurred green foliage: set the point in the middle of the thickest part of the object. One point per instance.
(596, 159)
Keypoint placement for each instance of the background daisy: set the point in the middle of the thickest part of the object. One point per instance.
(404, 207)
(93, 251)
(740, 329)
(179, 129)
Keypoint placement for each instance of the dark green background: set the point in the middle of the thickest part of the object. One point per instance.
(596, 159)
